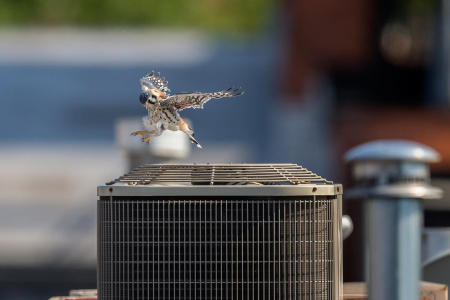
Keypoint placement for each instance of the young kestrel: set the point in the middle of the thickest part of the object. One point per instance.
(163, 108)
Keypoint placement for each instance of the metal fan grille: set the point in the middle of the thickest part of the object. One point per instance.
(216, 248)
(221, 174)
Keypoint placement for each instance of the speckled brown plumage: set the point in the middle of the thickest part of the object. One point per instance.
(163, 108)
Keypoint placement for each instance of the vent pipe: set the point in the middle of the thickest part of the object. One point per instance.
(393, 177)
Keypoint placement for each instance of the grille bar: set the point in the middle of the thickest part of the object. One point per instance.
(224, 248)
(220, 174)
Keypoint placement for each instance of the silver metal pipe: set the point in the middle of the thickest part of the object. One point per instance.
(392, 239)
(392, 177)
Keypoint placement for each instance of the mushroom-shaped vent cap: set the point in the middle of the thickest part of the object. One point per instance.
(390, 150)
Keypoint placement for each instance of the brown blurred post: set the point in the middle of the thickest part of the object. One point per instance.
(327, 35)
(323, 34)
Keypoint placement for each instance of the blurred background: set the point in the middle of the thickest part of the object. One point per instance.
(319, 76)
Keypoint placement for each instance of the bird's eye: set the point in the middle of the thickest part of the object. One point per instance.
(152, 99)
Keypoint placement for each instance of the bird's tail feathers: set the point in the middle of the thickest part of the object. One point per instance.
(194, 141)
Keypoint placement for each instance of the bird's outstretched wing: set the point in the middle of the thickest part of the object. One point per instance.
(154, 80)
(196, 100)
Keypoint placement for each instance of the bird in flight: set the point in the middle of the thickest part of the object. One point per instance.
(163, 108)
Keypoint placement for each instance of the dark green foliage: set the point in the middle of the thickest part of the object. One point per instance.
(216, 15)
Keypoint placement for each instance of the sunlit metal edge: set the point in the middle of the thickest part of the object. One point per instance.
(397, 191)
(232, 190)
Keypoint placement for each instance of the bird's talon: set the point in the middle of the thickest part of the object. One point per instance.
(147, 139)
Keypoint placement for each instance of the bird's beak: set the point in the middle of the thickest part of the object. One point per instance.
(159, 94)
(163, 95)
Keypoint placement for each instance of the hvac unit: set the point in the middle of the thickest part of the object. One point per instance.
(219, 231)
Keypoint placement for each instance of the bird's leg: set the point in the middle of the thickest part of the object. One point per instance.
(144, 133)
(154, 133)
(141, 132)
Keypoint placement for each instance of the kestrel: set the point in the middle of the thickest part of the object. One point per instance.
(163, 108)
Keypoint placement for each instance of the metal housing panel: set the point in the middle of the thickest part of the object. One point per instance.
(219, 247)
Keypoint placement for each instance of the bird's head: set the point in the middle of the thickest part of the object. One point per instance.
(151, 96)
